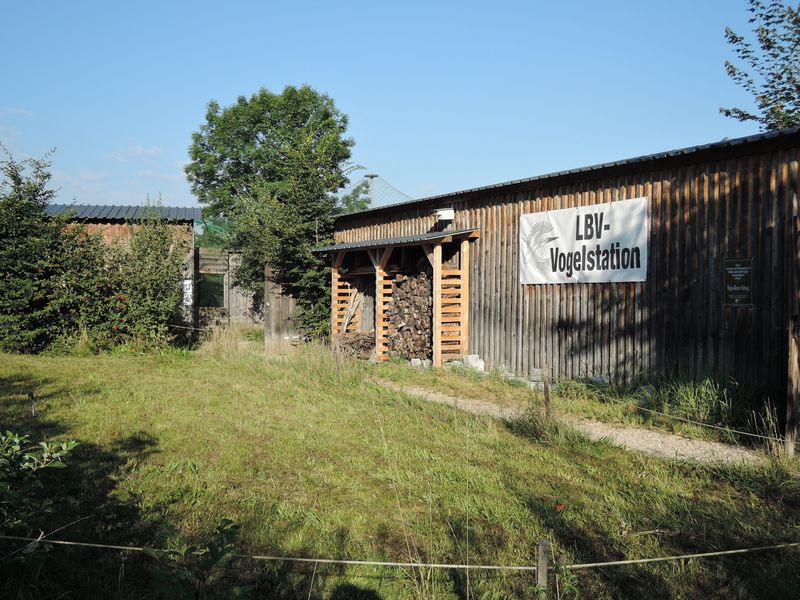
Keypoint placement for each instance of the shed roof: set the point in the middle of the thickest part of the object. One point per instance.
(112, 212)
(409, 240)
(596, 170)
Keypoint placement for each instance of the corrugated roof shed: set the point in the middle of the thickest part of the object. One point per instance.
(115, 212)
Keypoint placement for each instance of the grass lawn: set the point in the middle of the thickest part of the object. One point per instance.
(313, 465)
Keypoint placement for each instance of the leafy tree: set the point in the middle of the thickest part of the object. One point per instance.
(272, 162)
(773, 65)
(357, 199)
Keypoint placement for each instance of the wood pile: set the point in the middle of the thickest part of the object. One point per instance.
(410, 315)
(357, 344)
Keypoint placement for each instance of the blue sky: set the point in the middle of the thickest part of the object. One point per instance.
(441, 96)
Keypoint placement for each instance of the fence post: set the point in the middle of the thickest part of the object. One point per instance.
(546, 388)
(542, 558)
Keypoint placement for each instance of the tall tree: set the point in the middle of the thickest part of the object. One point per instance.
(772, 71)
(272, 162)
(28, 256)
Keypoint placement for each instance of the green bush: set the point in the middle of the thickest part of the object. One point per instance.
(63, 287)
(146, 276)
(29, 259)
(20, 484)
(186, 571)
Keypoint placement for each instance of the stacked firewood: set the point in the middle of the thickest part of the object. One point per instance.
(410, 315)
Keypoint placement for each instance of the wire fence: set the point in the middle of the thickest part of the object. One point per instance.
(32, 542)
(698, 423)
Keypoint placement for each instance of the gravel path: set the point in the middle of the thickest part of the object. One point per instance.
(639, 439)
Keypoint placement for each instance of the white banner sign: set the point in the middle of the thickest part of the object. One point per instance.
(586, 244)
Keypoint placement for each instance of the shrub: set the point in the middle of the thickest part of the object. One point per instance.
(146, 277)
(20, 483)
(28, 257)
(61, 284)
(186, 571)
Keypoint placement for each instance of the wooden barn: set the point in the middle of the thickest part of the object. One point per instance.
(683, 262)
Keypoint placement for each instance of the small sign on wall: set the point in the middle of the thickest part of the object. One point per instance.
(738, 282)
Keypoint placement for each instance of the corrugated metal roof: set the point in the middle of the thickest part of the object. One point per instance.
(726, 143)
(115, 212)
(408, 240)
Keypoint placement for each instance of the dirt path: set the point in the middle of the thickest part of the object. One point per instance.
(640, 439)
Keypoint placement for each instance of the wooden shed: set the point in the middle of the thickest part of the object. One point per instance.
(716, 291)
(114, 221)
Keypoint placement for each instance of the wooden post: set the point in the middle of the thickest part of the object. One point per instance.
(546, 386)
(792, 428)
(379, 260)
(266, 310)
(542, 558)
(464, 297)
(793, 388)
(437, 305)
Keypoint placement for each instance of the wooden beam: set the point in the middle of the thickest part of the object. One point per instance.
(437, 305)
(339, 258)
(337, 261)
(464, 266)
(373, 256)
(428, 252)
(387, 253)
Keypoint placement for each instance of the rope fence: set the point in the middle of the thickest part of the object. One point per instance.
(190, 328)
(420, 565)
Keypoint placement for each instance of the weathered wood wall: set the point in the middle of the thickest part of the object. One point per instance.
(704, 207)
(238, 304)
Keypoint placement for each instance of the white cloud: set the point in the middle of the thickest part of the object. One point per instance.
(92, 176)
(142, 151)
(15, 110)
(135, 152)
(160, 176)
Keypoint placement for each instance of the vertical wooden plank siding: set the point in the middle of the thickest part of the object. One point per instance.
(702, 210)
